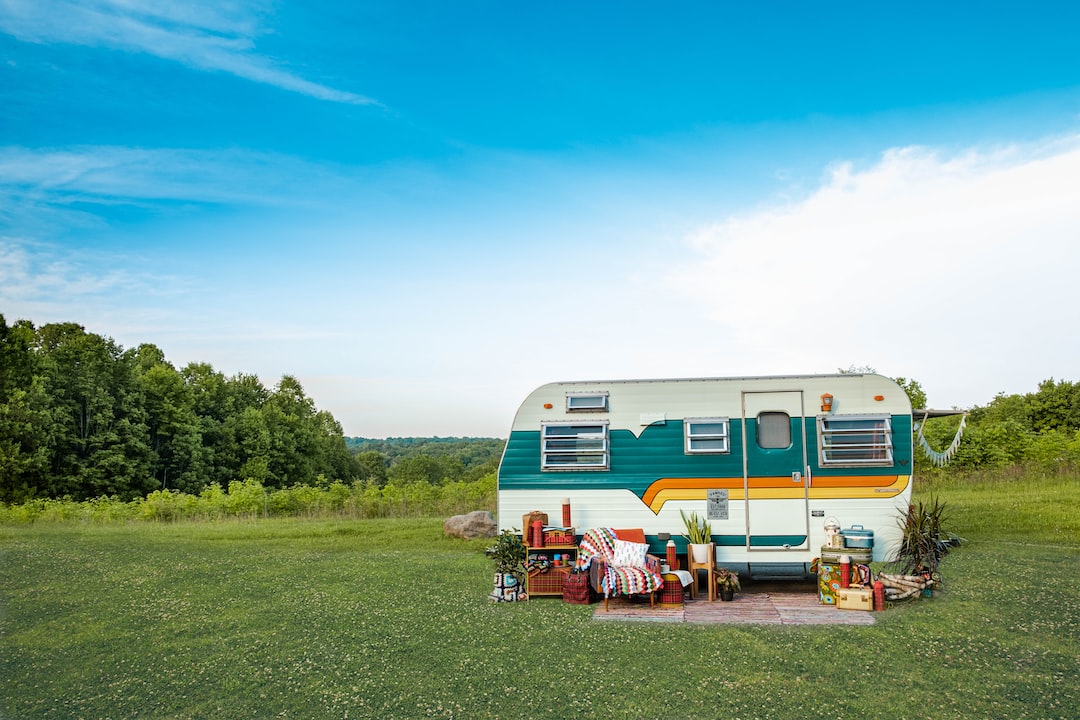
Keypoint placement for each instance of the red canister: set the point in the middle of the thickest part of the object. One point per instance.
(879, 595)
(566, 512)
(537, 534)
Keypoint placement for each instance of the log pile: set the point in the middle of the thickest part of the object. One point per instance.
(901, 587)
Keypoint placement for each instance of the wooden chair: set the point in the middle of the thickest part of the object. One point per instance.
(709, 566)
(597, 550)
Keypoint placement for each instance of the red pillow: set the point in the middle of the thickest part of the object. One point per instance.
(631, 535)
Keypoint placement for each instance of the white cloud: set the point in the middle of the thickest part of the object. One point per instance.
(209, 36)
(953, 269)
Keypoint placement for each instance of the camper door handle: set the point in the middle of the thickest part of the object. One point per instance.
(796, 477)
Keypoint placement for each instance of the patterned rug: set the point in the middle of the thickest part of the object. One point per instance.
(756, 608)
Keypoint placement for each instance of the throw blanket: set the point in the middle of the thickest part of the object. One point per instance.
(618, 579)
(598, 542)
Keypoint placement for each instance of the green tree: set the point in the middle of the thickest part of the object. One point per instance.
(174, 429)
(99, 433)
(25, 443)
(1055, 406)
(372, 467)
(914, 391)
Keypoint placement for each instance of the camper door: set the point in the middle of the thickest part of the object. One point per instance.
(774, 471)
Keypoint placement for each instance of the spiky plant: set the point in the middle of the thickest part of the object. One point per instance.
(923, 540)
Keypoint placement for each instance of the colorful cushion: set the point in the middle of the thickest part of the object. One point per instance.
(630, 554)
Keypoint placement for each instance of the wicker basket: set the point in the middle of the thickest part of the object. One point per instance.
(527, 521)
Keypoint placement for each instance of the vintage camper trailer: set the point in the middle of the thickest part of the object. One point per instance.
(767, 459)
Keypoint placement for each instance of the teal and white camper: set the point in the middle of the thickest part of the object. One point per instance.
(767, 459)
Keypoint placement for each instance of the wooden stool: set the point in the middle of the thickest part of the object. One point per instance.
(709, 565)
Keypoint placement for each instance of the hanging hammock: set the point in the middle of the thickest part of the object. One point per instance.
(939, 458)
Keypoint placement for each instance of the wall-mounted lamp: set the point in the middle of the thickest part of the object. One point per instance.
(826, 402)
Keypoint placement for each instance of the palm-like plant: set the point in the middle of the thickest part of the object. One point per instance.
(698, 529)
(923, 542)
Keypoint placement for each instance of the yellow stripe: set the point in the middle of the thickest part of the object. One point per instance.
(664, 494)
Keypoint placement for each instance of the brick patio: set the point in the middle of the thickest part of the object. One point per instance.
(780, 603)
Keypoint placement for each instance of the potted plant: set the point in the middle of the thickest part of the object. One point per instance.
(509, 555)
(923, 542)
(698, 534)
(727, 583)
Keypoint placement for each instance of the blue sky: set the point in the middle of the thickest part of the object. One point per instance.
(425, 210)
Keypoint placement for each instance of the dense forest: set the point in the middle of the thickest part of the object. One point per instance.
(81, 417)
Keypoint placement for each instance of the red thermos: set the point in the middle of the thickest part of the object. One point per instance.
(672, 559)
(879, 595)
(845, 571)
(537, 533)
(566, 512)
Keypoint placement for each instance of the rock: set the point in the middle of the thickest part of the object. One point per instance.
(478, 523)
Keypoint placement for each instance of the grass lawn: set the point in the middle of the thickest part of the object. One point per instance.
(388, 619)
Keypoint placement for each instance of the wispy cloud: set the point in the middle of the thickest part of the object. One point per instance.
(47, 283)
(102, 173)
(209, 36)
(962, 264)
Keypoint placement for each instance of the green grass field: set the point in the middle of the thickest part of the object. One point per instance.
(389, 619)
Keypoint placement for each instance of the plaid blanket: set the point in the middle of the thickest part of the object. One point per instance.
(599, 544)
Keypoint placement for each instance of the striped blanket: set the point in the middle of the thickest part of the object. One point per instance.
(598, 544)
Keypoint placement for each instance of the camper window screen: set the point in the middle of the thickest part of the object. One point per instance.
(583, 402)
(857, 440)
(706, 435)
(773, 430)
(574, 446)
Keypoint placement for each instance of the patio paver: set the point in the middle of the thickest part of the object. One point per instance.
(750, 608)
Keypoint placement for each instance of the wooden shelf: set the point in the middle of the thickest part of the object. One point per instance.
(550, 581)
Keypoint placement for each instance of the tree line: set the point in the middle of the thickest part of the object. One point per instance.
(435, 461)
(1037, 431)
(82, 417)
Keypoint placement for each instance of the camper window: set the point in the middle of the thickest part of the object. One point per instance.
(773, 430)
(584, 402)
(857, 440)
(574, 446)
(706, 435)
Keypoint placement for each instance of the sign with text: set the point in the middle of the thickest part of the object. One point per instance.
(716, 504)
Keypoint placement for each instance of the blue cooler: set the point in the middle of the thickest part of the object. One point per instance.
(857, 536)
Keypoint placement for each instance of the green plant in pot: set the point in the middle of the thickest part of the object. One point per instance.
(924, 542)
(698, 534)
(727, 583)
(509, 555)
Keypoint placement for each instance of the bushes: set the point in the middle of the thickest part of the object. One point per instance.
(249, 499)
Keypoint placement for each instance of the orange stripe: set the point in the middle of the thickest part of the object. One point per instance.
(876, 486)
(826, 481)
